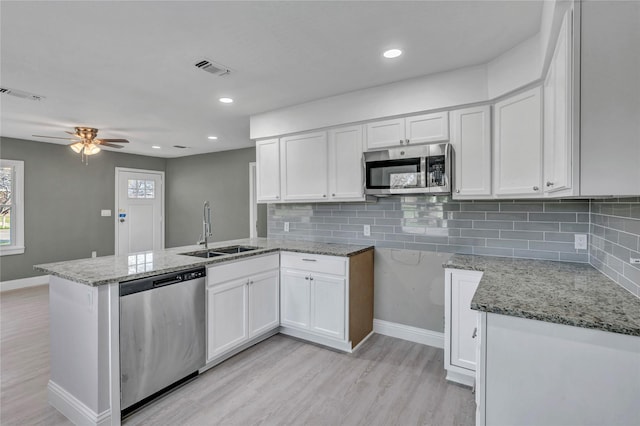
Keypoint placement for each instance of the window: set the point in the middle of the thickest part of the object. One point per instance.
(11, 207)
(140, 188)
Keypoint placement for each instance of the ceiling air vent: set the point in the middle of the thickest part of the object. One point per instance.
(20, 94)
(180, 146)
(213, 68)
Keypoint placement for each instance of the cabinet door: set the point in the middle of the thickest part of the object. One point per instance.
(385, 133)
(427, 128)
(304, 167)
(295, 299)
(264, 303)
(328, 305)
(558, 116)
(345, 164)
(464, 321)
(471, 142)
(518, 145)
(226, 316)
(268, 170)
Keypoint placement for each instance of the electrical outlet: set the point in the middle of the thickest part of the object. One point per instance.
(634, 261)
(580, 241)
(105, 213)
(286, 227)
(367, 230)
(94, 254)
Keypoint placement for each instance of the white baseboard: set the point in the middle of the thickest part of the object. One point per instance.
(74, 409)
(24, 283)
(407, 332)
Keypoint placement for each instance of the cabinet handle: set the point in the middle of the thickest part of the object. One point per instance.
(401, 141)
(535, 188)
(549, 183)
(406, 141)
(475, 333)
(310, 260)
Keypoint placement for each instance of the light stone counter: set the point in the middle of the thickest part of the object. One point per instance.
(108, 269)
(558, 292)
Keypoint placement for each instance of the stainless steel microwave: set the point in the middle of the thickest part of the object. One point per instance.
(420, 169)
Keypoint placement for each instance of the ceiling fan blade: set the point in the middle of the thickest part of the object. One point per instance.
(110, 145)
(52, 137)
(114, 140)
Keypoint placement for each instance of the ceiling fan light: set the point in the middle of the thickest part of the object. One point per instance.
(77, 147)
(91, 149)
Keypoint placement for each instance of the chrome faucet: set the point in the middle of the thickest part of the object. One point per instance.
(206, 225)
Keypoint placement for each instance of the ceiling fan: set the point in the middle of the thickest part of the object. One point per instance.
(85, 142)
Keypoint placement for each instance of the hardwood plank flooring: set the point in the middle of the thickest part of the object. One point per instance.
(281, 381)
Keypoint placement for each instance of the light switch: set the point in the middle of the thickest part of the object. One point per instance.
(105, 213)
(286, 227)
(367, 230)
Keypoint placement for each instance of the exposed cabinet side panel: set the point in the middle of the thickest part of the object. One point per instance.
(360, 296)
(610, 98)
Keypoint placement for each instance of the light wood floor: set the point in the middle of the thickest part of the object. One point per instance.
(279, 381)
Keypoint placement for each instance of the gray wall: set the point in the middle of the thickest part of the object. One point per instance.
(615, 238)
(223, 179)
(63, 199)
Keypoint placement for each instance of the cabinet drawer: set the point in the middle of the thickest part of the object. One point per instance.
(334, 265)
(241, 268)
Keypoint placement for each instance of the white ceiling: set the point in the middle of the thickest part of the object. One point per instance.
(127, 68)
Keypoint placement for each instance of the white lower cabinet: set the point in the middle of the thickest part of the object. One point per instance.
(460, 350)
(242, 303)
(315, 298)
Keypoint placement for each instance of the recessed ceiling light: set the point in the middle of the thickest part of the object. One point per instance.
(392, 53)
(213, 138)
(226, 100)
(155, 147)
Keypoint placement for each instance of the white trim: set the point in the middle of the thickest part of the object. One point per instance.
(407, 332)
(17, 208)
(162, 206)
(467, 379)
(340, 345)
(24, 283)
(74, 409)
(253, 202)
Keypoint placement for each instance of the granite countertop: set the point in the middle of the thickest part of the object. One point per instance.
(108, 269)
(559, 292)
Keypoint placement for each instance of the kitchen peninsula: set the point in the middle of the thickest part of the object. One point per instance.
(323, 293)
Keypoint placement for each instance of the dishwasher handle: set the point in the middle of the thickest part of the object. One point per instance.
(167, 281)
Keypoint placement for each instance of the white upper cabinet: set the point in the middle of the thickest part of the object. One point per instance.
(304, 167)
(345, 164)
(609, 98)
(416, 129)
(471, 142)
(558, 117)
(518, 145)
(268, 170)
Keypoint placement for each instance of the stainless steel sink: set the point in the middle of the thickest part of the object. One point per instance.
(215, 252)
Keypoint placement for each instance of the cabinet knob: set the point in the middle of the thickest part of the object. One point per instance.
(406, 141)
(535, 188)
(311, 278)
(277, 196)
(401, 141)
(549, 183)
(333, 195)
(475, 333)
(457, 191)
(324, 195)
(306, 278)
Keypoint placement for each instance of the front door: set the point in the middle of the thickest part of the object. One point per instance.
(139, 211)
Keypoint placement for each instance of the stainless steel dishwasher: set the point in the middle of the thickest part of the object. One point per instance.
(162, 335)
